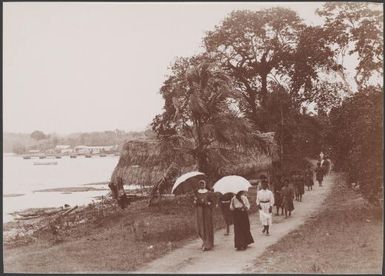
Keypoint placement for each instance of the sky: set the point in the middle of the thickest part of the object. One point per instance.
(79, 67)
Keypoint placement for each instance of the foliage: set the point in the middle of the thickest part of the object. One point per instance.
(356, 29)
(38, 135)
(199, 116)
(18, 149)
(269, 67)
(266, 48)
(356, 137)
(298, 133)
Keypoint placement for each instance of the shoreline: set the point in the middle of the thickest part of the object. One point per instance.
(81, 188)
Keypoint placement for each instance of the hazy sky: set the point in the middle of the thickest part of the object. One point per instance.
(71, 67)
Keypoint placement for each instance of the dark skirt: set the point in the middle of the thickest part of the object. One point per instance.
(299, 189)
(227, 213)
(309, 182)
(242, 235)
(288, 204)
(278, 200)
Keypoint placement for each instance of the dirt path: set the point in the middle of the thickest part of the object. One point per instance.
(223, 258)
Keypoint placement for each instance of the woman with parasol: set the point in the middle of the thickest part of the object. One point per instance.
(242, 235)
(204, 202)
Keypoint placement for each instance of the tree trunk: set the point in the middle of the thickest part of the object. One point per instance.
(200, 154)
(251, 100)
(263, 90)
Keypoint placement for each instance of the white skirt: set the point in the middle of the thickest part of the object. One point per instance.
(265, 217)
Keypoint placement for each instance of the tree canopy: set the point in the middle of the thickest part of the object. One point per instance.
(265, 70)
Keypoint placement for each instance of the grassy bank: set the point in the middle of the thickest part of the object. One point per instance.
(103, 238)
(345, 237)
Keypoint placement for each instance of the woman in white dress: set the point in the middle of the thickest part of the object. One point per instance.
(265, 203)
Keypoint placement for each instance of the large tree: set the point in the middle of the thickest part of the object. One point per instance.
(261, 49)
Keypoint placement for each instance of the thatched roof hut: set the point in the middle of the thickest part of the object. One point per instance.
(144, 162)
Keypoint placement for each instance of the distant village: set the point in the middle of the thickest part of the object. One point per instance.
(40, 145)
(73, 152)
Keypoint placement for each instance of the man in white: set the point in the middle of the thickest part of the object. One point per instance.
(265, 203)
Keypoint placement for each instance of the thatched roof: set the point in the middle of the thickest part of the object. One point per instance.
(144, 162)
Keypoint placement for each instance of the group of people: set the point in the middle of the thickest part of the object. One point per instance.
(235, 207)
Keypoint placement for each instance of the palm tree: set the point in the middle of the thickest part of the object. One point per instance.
(203, 114)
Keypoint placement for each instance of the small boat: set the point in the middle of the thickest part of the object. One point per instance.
(42, 157)
(88, 156)
(26, 157)
(57, 156)
(102, 155)
(45, 163)
(73, 156)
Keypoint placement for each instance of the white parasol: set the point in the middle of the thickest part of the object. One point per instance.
(232, 184)
(187, 182)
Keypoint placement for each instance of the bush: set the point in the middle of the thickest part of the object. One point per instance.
(356, 136)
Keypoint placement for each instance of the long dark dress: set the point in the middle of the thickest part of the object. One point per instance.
(224, 203)
(319, 174)
(287, 198)
(278, 201)
(242, 234)
(309, 178)
(204, 212)
(301, 184)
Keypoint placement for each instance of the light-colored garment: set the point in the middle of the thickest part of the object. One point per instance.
(265, 198)
(235, 203)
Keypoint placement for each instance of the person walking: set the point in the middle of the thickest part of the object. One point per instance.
(204, 202)
(224, 204)
(265, 203)
(319, 174)
(287, 198)
(326, 166)
(300, 184)
(309, 178)
(242, 236)
(278, 201)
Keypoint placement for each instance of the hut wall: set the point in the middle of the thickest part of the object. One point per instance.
(143, 162)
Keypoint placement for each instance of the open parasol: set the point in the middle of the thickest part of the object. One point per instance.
(188, 182)
(231, 184)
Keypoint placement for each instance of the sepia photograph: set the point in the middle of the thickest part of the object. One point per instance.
(193, 137)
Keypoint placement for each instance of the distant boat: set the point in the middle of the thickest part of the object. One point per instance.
(45, 163)
(42, 156)
(58, 156)
(73, 156)
(88, 156)
(26, 157)
(102, 155)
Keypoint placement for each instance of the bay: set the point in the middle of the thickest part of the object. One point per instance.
(22, 180)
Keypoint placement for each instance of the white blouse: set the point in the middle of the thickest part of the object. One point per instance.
(235, 203)
(265, 195)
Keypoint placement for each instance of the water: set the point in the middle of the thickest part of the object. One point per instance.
(21, 176)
